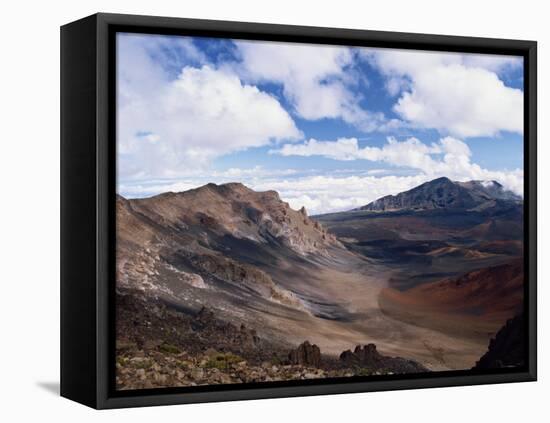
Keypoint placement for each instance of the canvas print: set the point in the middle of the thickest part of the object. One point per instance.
(291, 212)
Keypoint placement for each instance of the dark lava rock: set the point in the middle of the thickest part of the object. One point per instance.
(248, 337)
(205, 315)
(203, 318)
(306, 355)
(507, 348)
(368, 357)
(148, 323)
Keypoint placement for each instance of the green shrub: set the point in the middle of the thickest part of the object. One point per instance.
(122, 360)
(126, 346)
(143, 364)
(362, 371)
(183, 364)
(222, 361)
(169, 348)
(276, 360)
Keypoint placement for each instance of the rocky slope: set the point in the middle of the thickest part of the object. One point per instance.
(471, 306)
(235, 210)
(214, 235)
(442, 193)
(158, 346)
(507, 348)
(497, 289)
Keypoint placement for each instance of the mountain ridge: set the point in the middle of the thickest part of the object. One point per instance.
(237, 210)
(443, 193)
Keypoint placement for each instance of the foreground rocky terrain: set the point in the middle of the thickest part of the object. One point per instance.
(158, 346)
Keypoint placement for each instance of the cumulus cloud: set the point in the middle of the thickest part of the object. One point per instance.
(311, 75)
(146, 62)
(166, 125)
(458, 94)
(411, 152)
(328, 193)
(449, 157)
(317, 80)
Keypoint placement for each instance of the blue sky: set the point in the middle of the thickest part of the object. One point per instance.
(329, 127)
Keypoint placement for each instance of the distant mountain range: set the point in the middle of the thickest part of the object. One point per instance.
(442, 193)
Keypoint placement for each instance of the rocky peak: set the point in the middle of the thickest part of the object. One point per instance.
(491, 190)
(233, 209)
(442, 193)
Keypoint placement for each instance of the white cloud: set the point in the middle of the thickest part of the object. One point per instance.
(491, 62)
(190, 178)
(377, 172)
(458, 94)
(462, 101)
(318, 193)
(411, 152)
(166, 126)
(317, 80)
(311, 75)
(144, 189)
(448, 157)
(341, 149)
(326, 193)
(141, 66)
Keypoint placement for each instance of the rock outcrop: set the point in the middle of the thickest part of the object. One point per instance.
(507, 348)
(159, 346)
(368, 357)
(306, 355)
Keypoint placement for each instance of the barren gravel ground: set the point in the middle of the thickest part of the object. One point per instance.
(354, 290)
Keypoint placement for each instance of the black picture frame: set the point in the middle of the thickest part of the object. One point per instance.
(88, 195)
